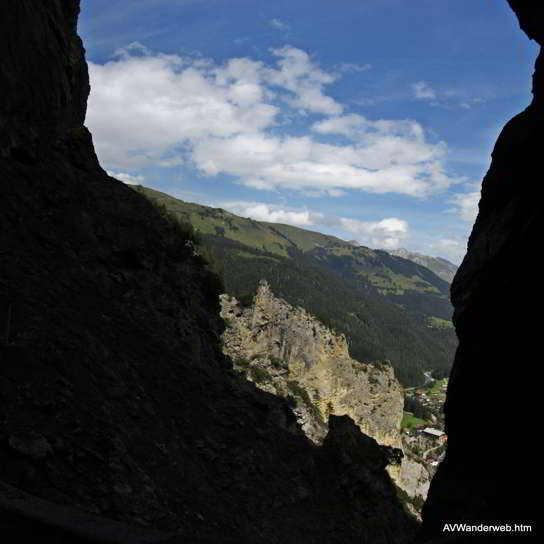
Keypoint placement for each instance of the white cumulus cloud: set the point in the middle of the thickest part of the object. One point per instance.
(466, 205)
(387, 233)
(273, 213)
(127, 178)
(151, 109)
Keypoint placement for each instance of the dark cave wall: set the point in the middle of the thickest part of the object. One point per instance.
(43, 77)
(115, 397)
(493, 401)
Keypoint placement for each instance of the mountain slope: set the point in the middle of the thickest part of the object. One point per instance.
(441, 267)
(388, 307)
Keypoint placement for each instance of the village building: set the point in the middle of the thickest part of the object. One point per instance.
(435, 433)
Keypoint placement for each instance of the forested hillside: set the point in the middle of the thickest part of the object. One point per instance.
(388, 307)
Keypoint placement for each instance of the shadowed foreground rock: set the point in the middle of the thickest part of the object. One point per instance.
(115, 397)
(493, 405)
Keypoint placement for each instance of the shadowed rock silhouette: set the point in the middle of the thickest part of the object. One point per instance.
(493, 402)
(115, 398)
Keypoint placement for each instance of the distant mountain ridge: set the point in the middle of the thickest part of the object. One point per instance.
(388, 307)
(440, 266)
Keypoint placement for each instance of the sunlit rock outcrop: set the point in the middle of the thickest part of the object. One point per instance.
(288, 352)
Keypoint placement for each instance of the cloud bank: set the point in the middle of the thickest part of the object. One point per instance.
(240, 118)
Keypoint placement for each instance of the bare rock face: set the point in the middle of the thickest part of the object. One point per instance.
(493, 400)
(115, 397)
(414, 479)
(287, 352)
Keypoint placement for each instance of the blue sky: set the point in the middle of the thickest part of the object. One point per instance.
(370, 120)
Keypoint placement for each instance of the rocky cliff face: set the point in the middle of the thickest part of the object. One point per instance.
(44, 81)
(115, 397)
(287, 352)
(493, 399)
